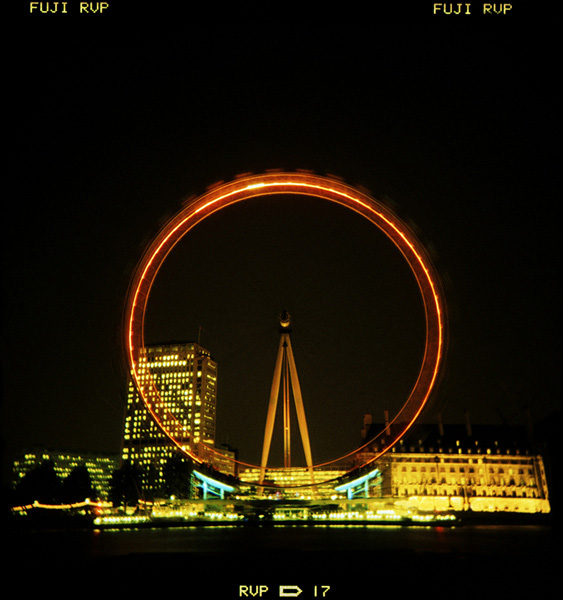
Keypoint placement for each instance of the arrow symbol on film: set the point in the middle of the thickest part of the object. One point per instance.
(289, 591)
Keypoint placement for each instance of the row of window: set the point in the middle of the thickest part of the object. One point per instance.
(490, 493)
(497, 469)
(493, 481)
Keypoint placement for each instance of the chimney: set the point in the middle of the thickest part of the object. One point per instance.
(367, 424)
(467, 423)
(440, 426)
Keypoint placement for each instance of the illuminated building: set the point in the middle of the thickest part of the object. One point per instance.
(100, 466)
(294, 481)
(185, 375)
(462, 467)
(221, 457)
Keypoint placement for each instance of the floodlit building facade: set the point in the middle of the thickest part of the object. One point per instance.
(186, 376)
(461, 467)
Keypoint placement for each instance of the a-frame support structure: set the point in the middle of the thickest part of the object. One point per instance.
(285, 375)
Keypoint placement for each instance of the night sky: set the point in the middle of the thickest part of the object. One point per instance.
(454, 127)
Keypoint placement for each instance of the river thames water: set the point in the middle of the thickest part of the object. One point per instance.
(269, 561)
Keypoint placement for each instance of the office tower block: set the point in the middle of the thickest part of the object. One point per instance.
(186, 376)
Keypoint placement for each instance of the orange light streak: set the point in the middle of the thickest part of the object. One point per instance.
(81, 504)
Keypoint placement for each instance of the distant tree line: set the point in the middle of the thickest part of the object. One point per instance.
(129, 483)
(44, 485)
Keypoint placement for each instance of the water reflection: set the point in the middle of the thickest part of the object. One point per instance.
(353, 558)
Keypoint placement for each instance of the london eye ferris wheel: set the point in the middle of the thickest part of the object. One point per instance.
(287, 183)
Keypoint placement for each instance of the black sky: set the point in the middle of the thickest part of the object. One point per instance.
(455, 127)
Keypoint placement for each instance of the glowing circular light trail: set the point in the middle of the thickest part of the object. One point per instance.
(253, 186)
